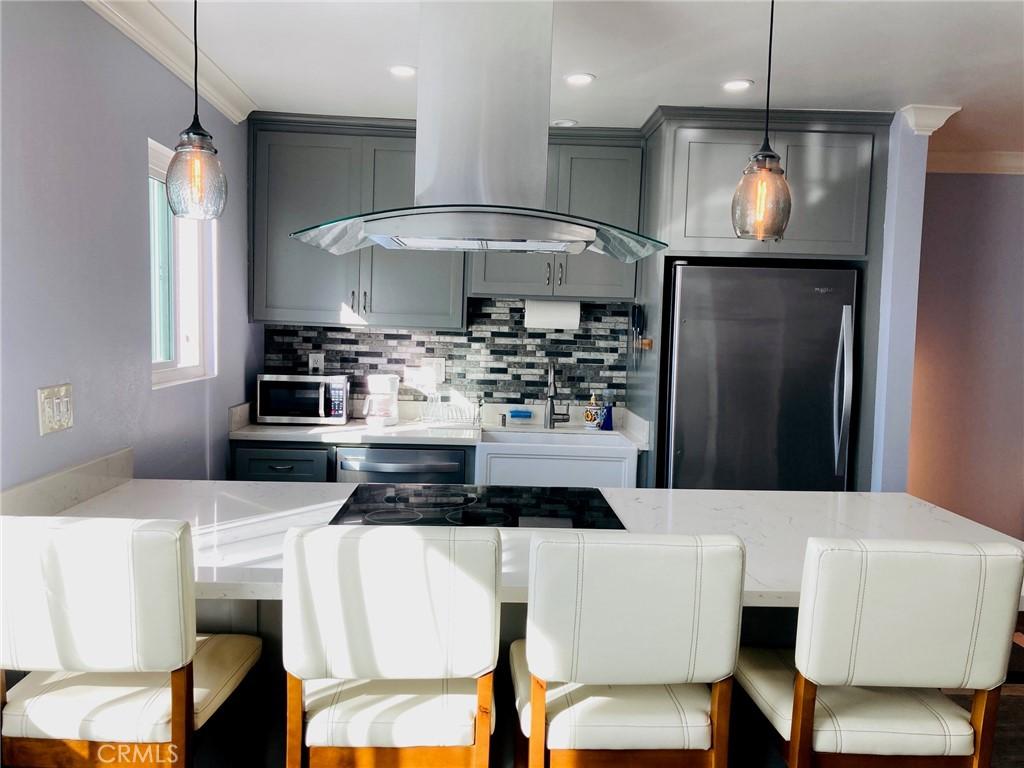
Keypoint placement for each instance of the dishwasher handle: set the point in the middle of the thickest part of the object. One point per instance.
(359, 465)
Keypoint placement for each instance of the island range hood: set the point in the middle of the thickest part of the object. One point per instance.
(482, 116)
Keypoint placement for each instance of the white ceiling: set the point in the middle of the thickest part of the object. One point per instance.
(332, 58)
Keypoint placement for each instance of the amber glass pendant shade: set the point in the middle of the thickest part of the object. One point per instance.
(196, 185)
(761, 203)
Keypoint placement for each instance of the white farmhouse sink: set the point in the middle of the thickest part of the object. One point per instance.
(553, 458)
(555, 437)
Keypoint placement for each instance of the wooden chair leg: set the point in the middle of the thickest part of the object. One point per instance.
(183, 713)
(801, 737)
(983, 720)
(482, 739)
(295, 724)
(721, 704)
(538, 722)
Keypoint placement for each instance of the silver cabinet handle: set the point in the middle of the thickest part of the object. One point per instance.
(358, 465)
(282, 467)
(364, 302)
(353, 304)
(547, 278)
(561, 272)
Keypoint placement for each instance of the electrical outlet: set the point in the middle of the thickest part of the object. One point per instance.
(55, 408)
(316, 362)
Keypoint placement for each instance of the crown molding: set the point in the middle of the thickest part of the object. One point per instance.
(699, 117)
(976, 162)
(926, 119)
(144, 24)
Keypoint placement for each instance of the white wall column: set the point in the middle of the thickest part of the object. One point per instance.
(901, 266)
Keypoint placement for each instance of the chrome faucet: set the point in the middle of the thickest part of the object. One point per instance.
(551, 416)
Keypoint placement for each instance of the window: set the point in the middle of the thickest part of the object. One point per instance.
(182, 261)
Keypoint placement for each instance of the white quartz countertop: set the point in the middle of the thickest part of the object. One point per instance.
(238, 527)
(408, 433)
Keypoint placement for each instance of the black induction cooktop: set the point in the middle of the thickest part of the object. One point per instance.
(502, 506)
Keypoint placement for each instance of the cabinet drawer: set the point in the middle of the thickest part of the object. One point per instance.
(282, 465)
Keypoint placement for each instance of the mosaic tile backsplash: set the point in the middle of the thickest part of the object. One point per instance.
(496, 356)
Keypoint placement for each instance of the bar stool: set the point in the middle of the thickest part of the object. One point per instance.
(883, 625)
(390, 642)
(102, 614)
(630, 647)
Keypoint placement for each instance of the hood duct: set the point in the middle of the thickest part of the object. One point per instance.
(483, 109)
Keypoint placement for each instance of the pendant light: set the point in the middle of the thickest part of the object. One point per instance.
(196, 185)
(761, 203)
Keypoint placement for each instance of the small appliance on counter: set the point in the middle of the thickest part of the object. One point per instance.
(381, 406)
(300, 399)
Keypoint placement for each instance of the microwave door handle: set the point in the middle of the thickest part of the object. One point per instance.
(358, 465)
(323, 394)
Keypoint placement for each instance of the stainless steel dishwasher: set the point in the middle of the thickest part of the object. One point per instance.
(400, 465)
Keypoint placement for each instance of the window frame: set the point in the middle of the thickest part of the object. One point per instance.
(202, 237)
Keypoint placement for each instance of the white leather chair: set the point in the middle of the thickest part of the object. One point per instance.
(882, 626)
(101, 612)
(390, 642)
(630, 648)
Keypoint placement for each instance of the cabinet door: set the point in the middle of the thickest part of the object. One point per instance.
(404, 289)
(500, 273)
(303, 179)
(830, 179)
(603, 184)
(282, 465)
(708, 165)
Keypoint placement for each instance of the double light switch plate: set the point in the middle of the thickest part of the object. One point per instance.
(55, 408)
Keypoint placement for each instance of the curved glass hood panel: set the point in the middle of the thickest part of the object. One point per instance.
(478, 228)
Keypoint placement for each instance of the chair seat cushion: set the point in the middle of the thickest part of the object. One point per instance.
(133, 707)
(616, 716)
(391, 713)
(858, 720)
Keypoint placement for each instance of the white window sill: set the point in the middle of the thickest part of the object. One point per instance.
(173, 377)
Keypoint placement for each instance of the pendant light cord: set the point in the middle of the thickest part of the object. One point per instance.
(195, 58)
(768, 89)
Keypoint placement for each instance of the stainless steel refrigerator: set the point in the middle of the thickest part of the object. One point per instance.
(761, 377)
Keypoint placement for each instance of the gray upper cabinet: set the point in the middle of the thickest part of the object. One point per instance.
(830, 178)
(404, 289)
(301, 180)
(708, 164)
(829, 175)
(601, 183)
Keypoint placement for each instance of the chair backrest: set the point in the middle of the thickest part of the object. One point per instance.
(391, 602)
(916, 614)
(96, 595)
(621, 609)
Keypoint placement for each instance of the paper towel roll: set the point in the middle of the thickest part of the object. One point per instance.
(560, 315)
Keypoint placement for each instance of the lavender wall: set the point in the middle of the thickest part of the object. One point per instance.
(967, 426)
(79, 102)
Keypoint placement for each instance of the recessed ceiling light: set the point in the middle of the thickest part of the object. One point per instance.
(737, 85)
(580, 78)
(402, 70)
(563, 123)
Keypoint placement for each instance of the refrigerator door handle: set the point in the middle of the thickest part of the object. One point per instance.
(844, 379)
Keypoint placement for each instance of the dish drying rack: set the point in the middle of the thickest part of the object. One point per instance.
(464, 411)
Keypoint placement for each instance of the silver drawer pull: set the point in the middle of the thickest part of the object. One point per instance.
(357, 465)
(282, 467)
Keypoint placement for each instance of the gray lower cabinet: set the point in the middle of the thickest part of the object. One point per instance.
(829, 176)
(600, 183)
(282, 464)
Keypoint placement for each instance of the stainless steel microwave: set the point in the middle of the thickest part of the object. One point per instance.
(294, 399)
